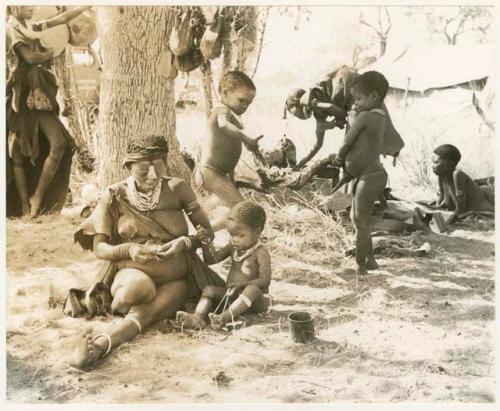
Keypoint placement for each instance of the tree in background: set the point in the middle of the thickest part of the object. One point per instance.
(242, 34)
(382, 27)
(451, 23)
(135, 98)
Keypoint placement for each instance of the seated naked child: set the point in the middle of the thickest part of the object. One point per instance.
(222, 151)
(249, 276)
(457, 191)
(360, 157)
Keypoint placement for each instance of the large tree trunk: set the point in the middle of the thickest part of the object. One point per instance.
(135, 98)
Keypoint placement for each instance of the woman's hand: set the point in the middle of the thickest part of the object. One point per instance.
(142, 254)
(172, 248)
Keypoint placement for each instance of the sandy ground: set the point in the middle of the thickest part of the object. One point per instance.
(418, 329)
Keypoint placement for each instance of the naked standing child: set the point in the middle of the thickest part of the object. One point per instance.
(222, 151)
(360, 156)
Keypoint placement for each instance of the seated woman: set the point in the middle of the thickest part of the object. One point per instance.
(138, 229)
(39, 146)
(457, 191)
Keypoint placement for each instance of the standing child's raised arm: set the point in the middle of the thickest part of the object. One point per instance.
(229, 129)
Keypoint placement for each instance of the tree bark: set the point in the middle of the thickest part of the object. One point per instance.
(135, 99)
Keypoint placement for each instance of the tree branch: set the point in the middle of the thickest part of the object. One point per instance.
(368, 24)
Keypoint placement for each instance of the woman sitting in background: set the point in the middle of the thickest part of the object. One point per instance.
(457, 191)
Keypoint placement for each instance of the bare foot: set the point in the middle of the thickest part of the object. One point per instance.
(26, 209)
(217, 321)
(35, 204)
(190, 320)
(362, 271)
(371, 264)
(86, 353)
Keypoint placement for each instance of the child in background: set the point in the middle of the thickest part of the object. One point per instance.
(249, 276)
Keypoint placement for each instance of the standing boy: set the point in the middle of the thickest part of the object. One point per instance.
(222, 151)
(360, 156)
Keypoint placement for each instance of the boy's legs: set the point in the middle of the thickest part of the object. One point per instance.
(250, 296)
(209, 296)
(368, 189)
(215, 182)
(219, 184)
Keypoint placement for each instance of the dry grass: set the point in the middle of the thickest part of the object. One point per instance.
(418, 329)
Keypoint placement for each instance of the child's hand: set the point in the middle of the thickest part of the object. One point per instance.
(254, 144)
(205, 235)
(351, 117)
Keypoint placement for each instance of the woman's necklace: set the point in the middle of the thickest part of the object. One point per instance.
(142, 201)
(247, 253)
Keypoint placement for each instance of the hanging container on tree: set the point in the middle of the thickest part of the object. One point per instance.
(181, 38)
(83, 29)
(166, 65)
(211, 42)
(190, 61)
(55, 38)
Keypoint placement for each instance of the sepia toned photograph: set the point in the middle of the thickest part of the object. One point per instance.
(237, 204)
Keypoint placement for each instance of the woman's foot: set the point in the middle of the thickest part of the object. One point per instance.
(217, 321)
(35, 204)
(87, 351)
(371, 264)
(362, 270)
(190, 320)
(26, 209)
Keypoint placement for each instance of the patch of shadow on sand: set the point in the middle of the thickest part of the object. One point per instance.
(24, 380)
(460, 246)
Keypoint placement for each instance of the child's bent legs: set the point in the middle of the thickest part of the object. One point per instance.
(220, 185)
(368, 189)
(250, 297)
(211, 294)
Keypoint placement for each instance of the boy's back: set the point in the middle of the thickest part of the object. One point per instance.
(364, 155)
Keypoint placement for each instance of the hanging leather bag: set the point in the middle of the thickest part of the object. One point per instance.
(181, 38)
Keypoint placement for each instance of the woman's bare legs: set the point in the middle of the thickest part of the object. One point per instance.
(131, 287)
(20, 180)
(51, 129)
(169, 298)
